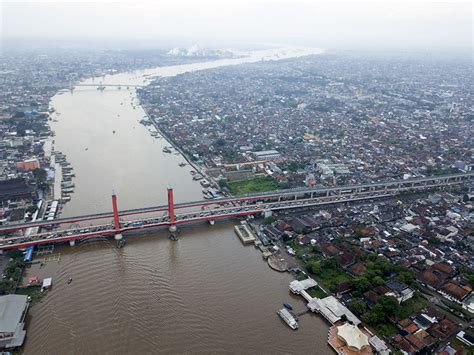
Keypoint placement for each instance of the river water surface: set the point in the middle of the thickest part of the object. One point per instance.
(204, 293)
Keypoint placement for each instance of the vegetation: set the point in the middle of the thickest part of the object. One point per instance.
(327, 272)
(33, 291)
(316, 292)
(270, 220)
(13, 272)
(378, 271)
(258, 184)
(412, 306)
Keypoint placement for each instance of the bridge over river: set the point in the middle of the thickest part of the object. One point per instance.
(172, 215)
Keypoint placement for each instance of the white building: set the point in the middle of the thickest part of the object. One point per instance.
(13, 310)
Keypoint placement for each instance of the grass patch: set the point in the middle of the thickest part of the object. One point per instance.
(258, 184)
(33, 291)
(413, 305)
(316, 292)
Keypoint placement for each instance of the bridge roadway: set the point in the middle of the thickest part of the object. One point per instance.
(109, 85)
(211, 210)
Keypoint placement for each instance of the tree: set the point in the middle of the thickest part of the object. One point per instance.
(361, 284)
(315, 267)
(357, 306)
(40, 174)
(269, 220)
(406, 276)
(389, 305)
(377, 281)
(6, 286)
(371, 317)
(15, 254)
(329, 263)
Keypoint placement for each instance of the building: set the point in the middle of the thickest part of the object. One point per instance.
(399, 290)
(13, 310)
(15, 189)
(266, 154)
(29, 164)
(347, 339)
(47, 283)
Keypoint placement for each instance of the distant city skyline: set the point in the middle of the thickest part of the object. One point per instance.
(381, 24)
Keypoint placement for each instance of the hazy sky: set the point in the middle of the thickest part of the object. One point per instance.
(385, 24)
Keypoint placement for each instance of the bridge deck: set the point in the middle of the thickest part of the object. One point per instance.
(224, 208)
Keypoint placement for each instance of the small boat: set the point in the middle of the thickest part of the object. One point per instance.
(166, 150)
(288, 306)
(69, 280)
(182, 164)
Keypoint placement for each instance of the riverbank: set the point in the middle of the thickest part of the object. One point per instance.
(152, 282)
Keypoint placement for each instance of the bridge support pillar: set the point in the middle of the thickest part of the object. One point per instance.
(267, 213)
(211, 222)
(172, 228)
(171, 205)
(116, 215)
(173, 232)
(118, 236)
(72, 242)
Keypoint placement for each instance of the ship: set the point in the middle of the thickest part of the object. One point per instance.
(288, 317)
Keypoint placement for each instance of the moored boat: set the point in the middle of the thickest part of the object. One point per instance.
(288, 318)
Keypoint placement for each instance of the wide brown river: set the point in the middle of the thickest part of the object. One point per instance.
(205, 293)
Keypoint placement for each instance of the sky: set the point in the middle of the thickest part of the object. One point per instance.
(335, 24)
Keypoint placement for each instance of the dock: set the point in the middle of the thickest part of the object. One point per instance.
(329, 307)
(245, 234)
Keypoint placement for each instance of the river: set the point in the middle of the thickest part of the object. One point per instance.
(205, 292)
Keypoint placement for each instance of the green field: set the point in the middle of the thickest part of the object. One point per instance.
(258, 184)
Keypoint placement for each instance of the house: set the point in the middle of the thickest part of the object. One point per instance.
(399, 290)
(328, 250)
(443, 329)
(357, 269)
(454, 292)
(465, 338)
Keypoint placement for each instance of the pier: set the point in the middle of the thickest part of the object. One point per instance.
(245, 234)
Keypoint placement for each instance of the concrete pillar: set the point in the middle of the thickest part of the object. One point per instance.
(115, 210)
(118, 236)
(170, 205)
(267, 213)
(211, 222)
(72, 242)
(172, 228)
